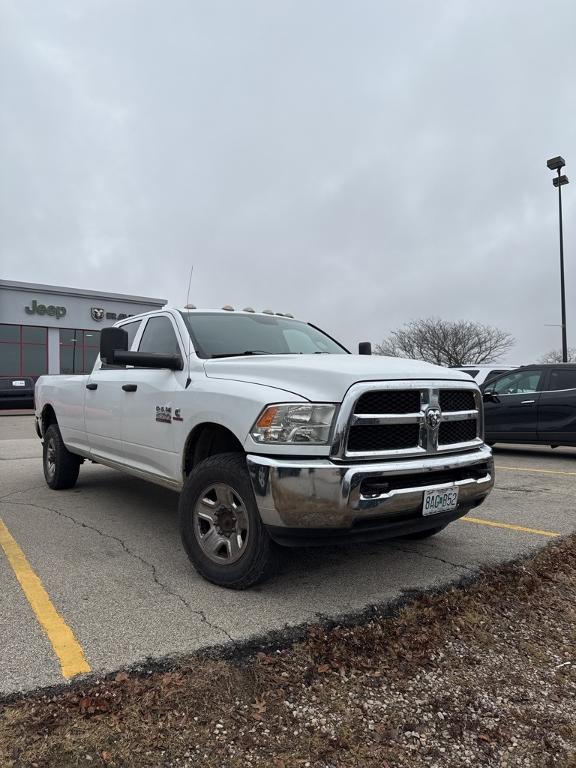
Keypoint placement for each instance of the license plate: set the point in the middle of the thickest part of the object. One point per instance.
(18, 383)
(440, 500)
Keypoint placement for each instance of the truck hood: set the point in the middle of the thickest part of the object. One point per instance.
(324, 378)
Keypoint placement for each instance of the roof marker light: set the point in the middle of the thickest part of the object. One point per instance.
(190, 306)
(267, 312)
(248, 309)
(228, 308)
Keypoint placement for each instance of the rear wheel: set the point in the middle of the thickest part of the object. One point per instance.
(61, 467)
(220, 525)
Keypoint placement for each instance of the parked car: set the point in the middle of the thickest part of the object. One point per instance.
(273, 431)
(533, 404)
(17, 391)
(483, 373)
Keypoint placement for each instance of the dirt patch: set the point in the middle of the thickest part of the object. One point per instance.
(481, 675)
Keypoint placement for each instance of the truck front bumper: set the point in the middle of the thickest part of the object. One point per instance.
(316, 501)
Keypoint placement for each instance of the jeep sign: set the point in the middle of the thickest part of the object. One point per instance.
(42, 309)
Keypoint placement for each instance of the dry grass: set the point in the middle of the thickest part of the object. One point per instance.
(482, 675)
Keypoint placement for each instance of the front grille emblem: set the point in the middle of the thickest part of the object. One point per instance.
(433, 417)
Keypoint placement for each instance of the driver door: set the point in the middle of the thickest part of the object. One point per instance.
(150, 422)
(514, 413)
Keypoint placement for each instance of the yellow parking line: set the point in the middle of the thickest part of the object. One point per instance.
(66, 647)
(543, 471)
(493, 524)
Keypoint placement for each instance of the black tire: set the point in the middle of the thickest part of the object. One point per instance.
(258, 555)
(424, 534)
(61, 467)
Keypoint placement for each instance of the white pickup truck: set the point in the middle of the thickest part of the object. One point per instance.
(273, 432)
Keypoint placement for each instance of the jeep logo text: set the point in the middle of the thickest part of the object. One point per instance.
(42, 309)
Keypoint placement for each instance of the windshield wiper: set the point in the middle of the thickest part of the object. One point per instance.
(242, 354)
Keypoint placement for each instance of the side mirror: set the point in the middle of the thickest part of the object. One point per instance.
(149, 360)
(365, 348)
(112, 340)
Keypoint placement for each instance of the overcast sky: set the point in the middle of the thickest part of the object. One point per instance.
(356, 163)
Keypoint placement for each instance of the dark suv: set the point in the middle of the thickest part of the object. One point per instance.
(533, 404)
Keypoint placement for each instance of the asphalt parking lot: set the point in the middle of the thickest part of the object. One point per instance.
(103, 566)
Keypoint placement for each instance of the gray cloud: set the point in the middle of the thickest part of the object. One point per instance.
(358, 164)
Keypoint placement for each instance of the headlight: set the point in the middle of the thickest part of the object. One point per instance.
(294, 423)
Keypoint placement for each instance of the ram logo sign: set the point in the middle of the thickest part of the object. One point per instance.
(97, 313)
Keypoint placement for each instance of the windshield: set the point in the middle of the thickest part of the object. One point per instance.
(227, 335)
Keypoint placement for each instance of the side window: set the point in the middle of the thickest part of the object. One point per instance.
(519, 383)
(131, 329)
(563, 379)
(159, 336)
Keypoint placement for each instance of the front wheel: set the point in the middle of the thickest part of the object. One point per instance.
(220, 525)
(61, 467)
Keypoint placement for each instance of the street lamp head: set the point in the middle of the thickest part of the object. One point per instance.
(556, 163)
(559, 181)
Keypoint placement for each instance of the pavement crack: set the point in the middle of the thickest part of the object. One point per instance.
(434, 557)
(25, 490)
(151, 567)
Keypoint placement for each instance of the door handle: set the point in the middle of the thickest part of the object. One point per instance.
(527, 402)
(129, 387)
(92, 386)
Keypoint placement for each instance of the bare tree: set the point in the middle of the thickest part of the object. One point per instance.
(555, 356)
(447, 343)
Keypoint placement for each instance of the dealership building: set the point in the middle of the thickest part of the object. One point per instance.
(51, 329)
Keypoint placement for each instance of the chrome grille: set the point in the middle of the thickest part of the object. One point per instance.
(456, 400)
(392, 401)
(457, 432)
(383, 437)
(387, 419)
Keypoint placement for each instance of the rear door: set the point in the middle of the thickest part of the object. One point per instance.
(557, 408)
(103, 402)
(514, 414)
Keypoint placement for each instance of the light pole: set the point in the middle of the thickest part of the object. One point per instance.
(556, 164)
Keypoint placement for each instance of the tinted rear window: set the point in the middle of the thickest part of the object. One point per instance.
(560, 379)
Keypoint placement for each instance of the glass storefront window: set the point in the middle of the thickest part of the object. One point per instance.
(92, 339)
(33, 360)
(33, 335)
(9, 333)
(10, 360)
(23, 350)
(78, 350)
(90, 355)
(67, 359)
